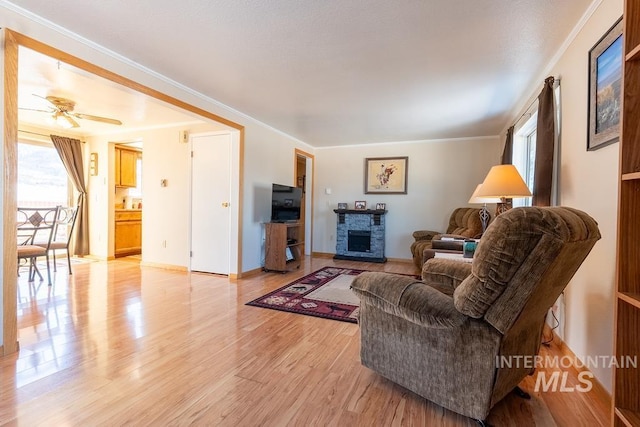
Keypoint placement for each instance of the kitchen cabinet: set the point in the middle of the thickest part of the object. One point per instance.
(126, 167)
(128, 232)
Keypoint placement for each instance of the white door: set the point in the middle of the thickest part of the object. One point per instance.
(210, 194)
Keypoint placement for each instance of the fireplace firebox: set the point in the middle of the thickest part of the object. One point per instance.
(359, 241)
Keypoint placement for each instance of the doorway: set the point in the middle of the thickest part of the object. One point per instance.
(303, 170)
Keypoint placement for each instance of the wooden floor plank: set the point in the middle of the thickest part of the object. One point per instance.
(121, 344)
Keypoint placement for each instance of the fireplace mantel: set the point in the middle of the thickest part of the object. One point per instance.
(360, 234)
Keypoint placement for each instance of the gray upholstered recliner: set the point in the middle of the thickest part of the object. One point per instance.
(441, 337)
(464, 222)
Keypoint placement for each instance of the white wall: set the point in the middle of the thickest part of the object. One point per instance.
(442, 176)
(588, 181)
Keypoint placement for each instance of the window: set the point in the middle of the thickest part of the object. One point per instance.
(524, 155)
(42, 178)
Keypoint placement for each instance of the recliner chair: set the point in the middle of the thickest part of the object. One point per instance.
(441, 337)
(464, 222)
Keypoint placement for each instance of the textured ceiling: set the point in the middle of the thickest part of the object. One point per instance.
(340, 71)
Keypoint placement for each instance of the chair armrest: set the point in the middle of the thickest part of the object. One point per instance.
(424, 234)
(408, 298)
(445, 273)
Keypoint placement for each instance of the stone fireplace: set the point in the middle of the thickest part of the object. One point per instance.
(360, 235)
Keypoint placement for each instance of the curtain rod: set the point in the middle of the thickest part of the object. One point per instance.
(34, 133)
(556, 83)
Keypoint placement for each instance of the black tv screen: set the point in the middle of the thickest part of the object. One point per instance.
(285, 203)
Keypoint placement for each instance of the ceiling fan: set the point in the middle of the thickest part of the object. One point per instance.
(61, 110)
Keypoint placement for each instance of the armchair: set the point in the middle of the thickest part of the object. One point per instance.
(441, 337)
(464, 222)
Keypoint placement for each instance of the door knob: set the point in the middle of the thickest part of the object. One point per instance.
(225, 204)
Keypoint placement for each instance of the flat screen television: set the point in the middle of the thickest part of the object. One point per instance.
(285, 203)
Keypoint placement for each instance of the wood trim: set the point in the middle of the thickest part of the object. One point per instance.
(249, 273)
(116, 78)
(299, 152)
(164, 266)
(321, 255)
(240, 198)
(402, 260)
(598, 388)
(9, 197)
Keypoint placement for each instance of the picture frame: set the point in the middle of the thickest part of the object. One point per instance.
(605, 81)
(360, 205)
(381, 206)
(386, 175)
(342, 206)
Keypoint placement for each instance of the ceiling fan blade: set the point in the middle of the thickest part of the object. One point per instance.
(73, 122)
(97, 118)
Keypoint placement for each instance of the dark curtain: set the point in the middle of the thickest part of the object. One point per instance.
(70, 152)
(545, 142)
(507, 153)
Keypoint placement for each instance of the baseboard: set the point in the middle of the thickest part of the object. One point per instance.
(321, 255)
(164, 266)
(96, 257)
(248, 273)
(401, 260)
(568, 354)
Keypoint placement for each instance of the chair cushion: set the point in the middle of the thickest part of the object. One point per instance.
(30, 251)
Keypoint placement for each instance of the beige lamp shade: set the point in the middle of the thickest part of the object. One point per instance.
(503, 181)
(477, 200)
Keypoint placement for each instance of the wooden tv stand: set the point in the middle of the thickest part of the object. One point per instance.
(284, 246)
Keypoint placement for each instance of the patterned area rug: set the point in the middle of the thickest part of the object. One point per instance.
(324, 293)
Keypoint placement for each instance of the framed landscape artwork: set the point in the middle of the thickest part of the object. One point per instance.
(386, 175)
(605, 79)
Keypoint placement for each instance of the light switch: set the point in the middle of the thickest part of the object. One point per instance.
(327, 191)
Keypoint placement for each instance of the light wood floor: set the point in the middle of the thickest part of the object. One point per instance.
(120, 344)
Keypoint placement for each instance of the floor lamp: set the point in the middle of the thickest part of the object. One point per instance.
(484, 213)
(503, 182)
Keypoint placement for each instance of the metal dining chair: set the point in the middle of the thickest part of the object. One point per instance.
(65, 223)
(35, 224)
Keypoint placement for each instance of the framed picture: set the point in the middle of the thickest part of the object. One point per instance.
(381, 206)
(360, 204)
(386, 175)
(342, 206)
(605, 79)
